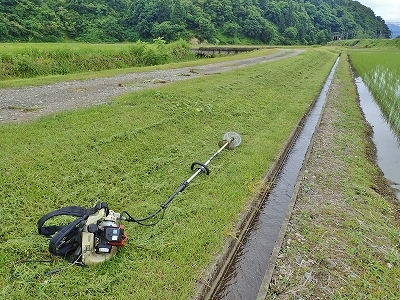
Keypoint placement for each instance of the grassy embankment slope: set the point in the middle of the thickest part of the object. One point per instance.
(133, 154)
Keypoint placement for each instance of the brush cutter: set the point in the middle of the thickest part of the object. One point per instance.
(96, 233)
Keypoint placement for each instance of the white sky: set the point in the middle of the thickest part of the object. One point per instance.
(389, 10)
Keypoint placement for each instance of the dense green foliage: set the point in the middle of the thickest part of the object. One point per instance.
(224, 21)
(66, 58)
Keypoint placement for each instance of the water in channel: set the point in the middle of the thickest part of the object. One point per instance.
(244, 276)
(385, 140)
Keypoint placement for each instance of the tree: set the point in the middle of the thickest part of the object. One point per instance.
(290, 34)
(320, 37)
(253, 26)
(268, 33)
(4, 32)
(130, 20)
(274, 14)
(231, 29)
(205, 30)
(169, 31)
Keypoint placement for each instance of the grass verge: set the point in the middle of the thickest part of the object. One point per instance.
(36, 60)
(132, 154)
(342, 241)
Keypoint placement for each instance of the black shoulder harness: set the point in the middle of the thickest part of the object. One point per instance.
(65, 240)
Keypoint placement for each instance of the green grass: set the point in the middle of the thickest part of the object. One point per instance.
(345, 232)
(370, 217)
(133, 154)
(368, 43)
(37, 60)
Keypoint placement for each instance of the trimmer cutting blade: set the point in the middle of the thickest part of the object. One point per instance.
(233, 138)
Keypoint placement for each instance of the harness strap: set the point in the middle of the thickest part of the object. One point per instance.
(67, 237)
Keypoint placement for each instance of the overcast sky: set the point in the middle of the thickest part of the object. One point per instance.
(389, 10)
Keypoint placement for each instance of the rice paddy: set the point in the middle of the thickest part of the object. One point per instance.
(381, 73)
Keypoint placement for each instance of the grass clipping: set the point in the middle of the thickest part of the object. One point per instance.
(342, 240)
(132, 154)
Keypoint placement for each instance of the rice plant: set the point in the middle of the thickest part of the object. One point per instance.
(382, 77)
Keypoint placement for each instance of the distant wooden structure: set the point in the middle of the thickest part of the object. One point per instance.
(215, 50)
(336, 36)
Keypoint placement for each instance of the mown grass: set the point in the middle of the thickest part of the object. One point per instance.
(382, 76)
(132, 154)
(343, 243)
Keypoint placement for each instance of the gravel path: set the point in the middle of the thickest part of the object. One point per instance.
(29, 103)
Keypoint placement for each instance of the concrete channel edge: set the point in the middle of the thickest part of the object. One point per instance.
(208, 283)
(262, 294)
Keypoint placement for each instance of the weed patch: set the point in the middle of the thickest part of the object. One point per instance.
(60, 59)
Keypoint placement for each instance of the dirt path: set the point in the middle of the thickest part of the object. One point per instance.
(29, 103)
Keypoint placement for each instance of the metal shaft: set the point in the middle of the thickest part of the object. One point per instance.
(209, 160)
(203, 168)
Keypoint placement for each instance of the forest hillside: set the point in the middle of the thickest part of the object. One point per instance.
(217, 21)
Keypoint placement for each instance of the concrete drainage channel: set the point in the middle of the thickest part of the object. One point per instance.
(245, 268)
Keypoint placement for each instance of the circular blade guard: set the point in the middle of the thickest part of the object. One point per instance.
(237, 139)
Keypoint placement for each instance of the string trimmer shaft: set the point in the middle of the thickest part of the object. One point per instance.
(230, 141)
